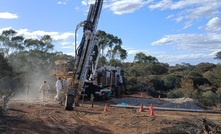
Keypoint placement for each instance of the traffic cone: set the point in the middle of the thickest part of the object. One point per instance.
(141, 108)
(105, 108)
(151, 110)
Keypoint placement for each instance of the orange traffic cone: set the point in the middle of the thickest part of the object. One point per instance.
(141, 108)
(151, 110)
(105, 108)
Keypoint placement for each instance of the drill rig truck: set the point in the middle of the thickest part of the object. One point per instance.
(87, 79)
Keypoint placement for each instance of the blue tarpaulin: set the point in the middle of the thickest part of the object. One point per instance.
(122, 104)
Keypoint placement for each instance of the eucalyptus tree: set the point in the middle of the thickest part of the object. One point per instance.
(44, 44)
(26, 55)
(30, 58)
(5, 68)
(119, 52)
(218, 55)
(11, 45)
(39, 51)
(47, 43)
(102, 37)
(115, 62)
(143, 58)
(10, 42)
(113, 44)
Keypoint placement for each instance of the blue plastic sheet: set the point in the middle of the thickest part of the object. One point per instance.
(122, 104)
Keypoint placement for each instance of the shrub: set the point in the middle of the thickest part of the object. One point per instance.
(209, 98)
(172, 81)
(188, 93)
(175, 93)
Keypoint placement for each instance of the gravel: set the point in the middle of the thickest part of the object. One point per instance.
(184, 103)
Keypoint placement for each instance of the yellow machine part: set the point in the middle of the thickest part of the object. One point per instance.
(60, 69)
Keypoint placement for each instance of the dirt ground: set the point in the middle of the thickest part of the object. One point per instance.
(24, 117)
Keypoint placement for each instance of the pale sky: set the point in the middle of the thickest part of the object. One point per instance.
(173, 31)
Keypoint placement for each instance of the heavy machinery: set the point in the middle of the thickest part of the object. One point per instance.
(87, 79)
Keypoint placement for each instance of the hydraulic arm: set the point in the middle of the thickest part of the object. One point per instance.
(87, 51)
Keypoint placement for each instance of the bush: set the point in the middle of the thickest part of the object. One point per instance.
(218, 92)
(209, 98)
(197, 94)
(157, 82)
(175, 93)
(172, 81)
(183, 92)
(188, 93)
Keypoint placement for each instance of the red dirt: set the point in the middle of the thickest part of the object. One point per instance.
(35, 118)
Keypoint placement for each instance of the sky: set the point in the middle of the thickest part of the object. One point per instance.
(173, 31)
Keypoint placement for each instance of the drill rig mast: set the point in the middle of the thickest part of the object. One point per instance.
(85, 55)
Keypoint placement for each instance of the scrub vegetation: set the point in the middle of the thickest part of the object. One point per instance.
(25, 63)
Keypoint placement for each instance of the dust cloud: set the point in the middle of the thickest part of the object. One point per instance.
(27, 89)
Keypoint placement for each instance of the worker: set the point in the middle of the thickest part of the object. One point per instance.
(58, 86)
(45, 88)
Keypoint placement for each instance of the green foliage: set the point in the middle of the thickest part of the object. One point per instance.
(219, 93)
(218, 55)
(131, 82)
(209, 98)
(31, 58)
(196, 94)
(157, 82)
(186, 89)
(27, 58)
(201, 81)
(210, 95)
(151, 68)
(175, 93)
(102, 61)
(119, 52)
(113, 44)
(143, 58)
(180, 92)
(156, 69)
(188, 93)
(214, 76)
(43, 45)
(9, 42)
(5, 68)
(114, 62)
(136, 70)
(204, 67)
(141, 84)
(194, 74)
(182, 69)
(172, 81)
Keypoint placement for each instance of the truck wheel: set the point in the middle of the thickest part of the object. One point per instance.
(69, 102)
(120, 91)
(104, 97)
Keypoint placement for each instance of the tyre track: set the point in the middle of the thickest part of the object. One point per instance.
(81, 117)
(56, 120)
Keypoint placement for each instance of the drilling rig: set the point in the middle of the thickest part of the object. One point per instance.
(87, 79)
